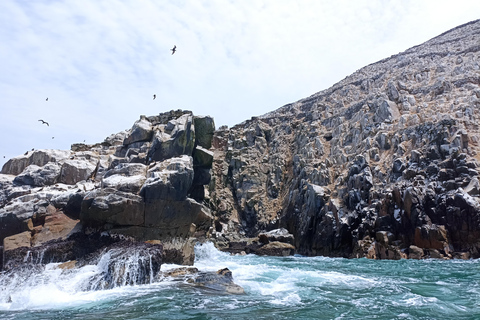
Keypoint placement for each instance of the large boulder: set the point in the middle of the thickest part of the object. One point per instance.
(15, 165)
(111, 206)
(174, 139)
(204, 129)
(141, 131)
(280, 235)
(37, 176)
(202, 157)
(221, 281)
(276, 248)
(74, 171)
(175, 218)
(56, 226)
(128, 177)
(168, 180)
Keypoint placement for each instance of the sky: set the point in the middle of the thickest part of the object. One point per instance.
(99, 62)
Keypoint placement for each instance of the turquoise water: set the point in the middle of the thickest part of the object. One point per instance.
(276, 288)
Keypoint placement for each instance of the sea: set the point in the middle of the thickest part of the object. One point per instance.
(294, 287)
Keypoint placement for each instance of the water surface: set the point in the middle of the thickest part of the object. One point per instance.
(276, 288)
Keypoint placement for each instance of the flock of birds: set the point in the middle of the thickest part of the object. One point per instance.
(174, 49)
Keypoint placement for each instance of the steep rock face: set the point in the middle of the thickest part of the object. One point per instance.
(391, 150)
(146, 184)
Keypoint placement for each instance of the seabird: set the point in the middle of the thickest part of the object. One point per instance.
(154, 96)
(46, 99)
(44, 122)
(174, 49)
(53, 137)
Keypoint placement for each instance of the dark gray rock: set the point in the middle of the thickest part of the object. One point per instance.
(111, 206)
(141, 131)
(74, 171)
(220, 281)
(204, 129)
(169, 180)
(175, 139)
(39, 176)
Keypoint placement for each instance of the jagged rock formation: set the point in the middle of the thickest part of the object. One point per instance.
(144, 184)
(383, 164)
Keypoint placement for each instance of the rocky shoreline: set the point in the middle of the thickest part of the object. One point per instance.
(383, 165)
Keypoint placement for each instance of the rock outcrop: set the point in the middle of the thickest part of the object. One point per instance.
(142, 184)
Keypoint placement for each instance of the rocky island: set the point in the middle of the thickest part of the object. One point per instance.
(383, 165)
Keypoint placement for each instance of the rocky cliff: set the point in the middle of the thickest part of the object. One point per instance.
(384, 165)
(142, 184)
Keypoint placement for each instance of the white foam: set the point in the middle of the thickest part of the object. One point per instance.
(415, 300)
(291, 299)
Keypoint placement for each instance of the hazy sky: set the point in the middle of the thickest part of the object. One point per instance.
(100, 62)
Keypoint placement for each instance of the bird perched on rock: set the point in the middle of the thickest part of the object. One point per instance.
(44, 122)
(174, 49)
(154, 96)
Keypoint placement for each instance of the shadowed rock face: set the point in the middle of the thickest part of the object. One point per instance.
(391, 148)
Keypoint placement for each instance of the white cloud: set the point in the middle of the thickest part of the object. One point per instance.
(100, 62)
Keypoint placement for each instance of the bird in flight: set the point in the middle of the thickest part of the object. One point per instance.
(46, 99)
(174, 49)
(154, 96)
(44, 122)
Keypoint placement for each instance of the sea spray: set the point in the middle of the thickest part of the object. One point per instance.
(276, 287)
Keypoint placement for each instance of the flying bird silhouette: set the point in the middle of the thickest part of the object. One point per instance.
(174, 49)
(44, 122)
(154, 96)
(46, 99)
